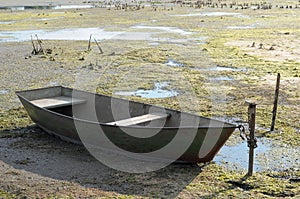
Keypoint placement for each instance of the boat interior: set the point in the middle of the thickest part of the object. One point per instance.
(112, 111)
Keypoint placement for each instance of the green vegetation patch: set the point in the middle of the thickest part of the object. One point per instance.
(6, 195)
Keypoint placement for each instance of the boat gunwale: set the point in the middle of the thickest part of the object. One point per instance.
(19, 94)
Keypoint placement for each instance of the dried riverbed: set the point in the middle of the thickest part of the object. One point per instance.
(209, 59)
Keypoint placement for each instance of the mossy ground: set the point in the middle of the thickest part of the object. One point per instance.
(131, 65)
(4, 194)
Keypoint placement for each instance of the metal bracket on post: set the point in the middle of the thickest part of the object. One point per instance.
(251, 140)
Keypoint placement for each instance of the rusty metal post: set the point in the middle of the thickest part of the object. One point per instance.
(275, 103)
(251, 138)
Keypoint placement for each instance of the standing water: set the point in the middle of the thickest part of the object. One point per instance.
(269, 155)
(157, 92)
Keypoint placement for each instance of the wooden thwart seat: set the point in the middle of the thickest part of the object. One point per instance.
(139, 119)
(55, 102)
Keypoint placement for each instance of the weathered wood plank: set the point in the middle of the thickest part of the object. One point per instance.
(54, 102)
(139, 119)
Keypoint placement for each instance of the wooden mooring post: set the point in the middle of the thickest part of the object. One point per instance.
(99, 47)
(251, 140)
(89, 45)
(275, 103)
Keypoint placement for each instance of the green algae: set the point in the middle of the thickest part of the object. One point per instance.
(6, 195)
(13, 119)
(252, 86)
(219, 183)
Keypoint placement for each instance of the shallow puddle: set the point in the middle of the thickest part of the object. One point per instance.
(241, 27)
(269, 155)
(7, 22)
(48, 19)
(135, 36)
(221, 68)
(2, 92)
(221, 78)
(79, 34)
(53, 84)
(164, 28)
(153, 43)
(173, 63)
(157, 92)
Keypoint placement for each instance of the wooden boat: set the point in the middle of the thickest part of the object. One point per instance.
(132, 126)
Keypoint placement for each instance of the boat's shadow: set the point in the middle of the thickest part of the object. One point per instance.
(32, 150)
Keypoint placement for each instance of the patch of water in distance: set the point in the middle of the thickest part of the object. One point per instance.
(99, 34)
(221, 68)
(163, 28)
(241, 27)
(154, 43)
(48, 19)
(79, 34)
(2, 92)
(173, 63)
(54, 84)
(221, 78)
(63, 34)
(7, 22)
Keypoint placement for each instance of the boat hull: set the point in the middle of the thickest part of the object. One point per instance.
(203, 141)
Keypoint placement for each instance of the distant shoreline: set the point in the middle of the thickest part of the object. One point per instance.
(41, 3)
(53, 2)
